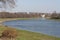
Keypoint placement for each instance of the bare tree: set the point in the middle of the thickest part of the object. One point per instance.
(5, 3)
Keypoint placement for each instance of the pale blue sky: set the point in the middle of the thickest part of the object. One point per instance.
(37, 5)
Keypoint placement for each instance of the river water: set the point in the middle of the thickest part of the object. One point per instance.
(44, 26)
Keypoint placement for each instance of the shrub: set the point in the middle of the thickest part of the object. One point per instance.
(9, 33)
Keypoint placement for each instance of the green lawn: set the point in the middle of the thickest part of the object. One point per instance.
(26, 35)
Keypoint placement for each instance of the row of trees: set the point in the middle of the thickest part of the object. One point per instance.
(29, 15)
(55, 16)
(19, 15)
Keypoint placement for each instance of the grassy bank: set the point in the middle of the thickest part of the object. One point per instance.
(26, 35)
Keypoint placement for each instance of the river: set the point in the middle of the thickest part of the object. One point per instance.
(44, 26)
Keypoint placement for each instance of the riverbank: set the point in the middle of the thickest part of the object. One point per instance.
(26, 35)
(9, 19)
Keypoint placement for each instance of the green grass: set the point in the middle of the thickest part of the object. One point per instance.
(26, 35)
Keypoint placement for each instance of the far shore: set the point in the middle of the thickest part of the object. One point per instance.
(11, 19)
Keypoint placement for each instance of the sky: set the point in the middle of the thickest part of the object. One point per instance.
(37, 6)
